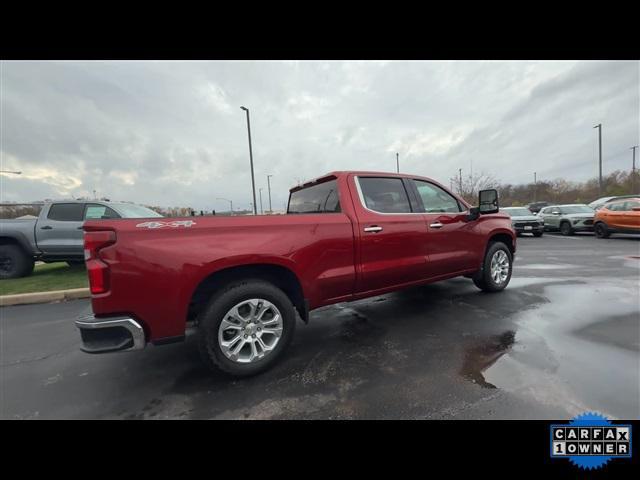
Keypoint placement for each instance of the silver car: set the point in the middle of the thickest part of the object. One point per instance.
(568, 219)
(523, 221)
(599, 203)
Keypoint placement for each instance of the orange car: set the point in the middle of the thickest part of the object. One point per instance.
(622, 216)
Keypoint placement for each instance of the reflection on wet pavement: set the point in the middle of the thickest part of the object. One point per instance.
(480, 357)
(579, 349)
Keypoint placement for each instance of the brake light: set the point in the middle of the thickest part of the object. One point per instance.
(97, 270)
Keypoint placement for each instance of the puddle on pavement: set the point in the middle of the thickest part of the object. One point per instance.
(550, 358)
(480, 357)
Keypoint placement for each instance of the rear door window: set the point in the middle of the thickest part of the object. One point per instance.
(94, 212)
(66, 212)
(319, 198)
(384, 195)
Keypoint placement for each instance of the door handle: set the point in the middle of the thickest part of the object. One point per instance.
(79, 228)
(436, 225)
(374, 228)
(46, 227)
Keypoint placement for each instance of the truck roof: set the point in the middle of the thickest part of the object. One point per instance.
(343, 173)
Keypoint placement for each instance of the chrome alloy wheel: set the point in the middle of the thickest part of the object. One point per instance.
(499, 267)
(250, 330)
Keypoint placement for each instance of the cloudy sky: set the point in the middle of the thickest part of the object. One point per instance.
(172, 133)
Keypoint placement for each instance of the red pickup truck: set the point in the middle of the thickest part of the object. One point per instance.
(240, 280)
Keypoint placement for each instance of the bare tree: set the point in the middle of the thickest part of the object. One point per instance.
(471, 184)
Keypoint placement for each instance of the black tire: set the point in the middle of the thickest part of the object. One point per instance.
(566, 229)
(14, 262)
(221, 302)
(483, 279)
(537, 234)
(601, 230)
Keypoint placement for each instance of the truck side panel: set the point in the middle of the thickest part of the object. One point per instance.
(154, 272)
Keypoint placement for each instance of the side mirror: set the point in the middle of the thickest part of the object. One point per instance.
(488, 201)
(474, 213)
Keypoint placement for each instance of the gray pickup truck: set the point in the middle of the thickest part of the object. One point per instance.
(56, 235)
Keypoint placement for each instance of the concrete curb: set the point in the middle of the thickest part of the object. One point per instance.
(44, 297)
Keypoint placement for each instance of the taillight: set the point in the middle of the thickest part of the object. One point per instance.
(97, 270)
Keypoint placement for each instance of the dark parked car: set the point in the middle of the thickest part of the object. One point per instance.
(536, 206)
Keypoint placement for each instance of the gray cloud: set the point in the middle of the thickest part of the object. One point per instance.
(172, 133)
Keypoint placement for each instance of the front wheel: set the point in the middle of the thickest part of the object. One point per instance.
(537, 234)
(496, 268)
(565, 229)
(246, 328)
(601, 230)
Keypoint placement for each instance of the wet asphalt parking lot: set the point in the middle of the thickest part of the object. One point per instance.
(562, 339)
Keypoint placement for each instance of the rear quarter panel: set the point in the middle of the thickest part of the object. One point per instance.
(154, 272)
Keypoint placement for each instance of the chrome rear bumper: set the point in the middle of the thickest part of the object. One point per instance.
(111, 334)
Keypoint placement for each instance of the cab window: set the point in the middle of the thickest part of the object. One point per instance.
(66, 212)
(384, 195)
(99, 212)
(319, 198)
(435, 199)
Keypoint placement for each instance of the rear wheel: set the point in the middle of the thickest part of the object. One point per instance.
(565, 229)
(246, 328)
(601, 230)
(14, 263)
(496, 268)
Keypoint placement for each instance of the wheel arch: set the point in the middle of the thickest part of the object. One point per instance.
(503, 237)
(19, 241)
(278, 275)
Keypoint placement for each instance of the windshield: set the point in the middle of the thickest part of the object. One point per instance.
(517, 212)
(577, 209)
(129, 210)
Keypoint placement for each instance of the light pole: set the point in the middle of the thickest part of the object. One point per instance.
(535, 187)
(397, 162)
(9, 171)
(460, 173)
(230, 203)
(253, 183)
(599, 127)
(633, 170)
(261, 210)
(269, 187)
